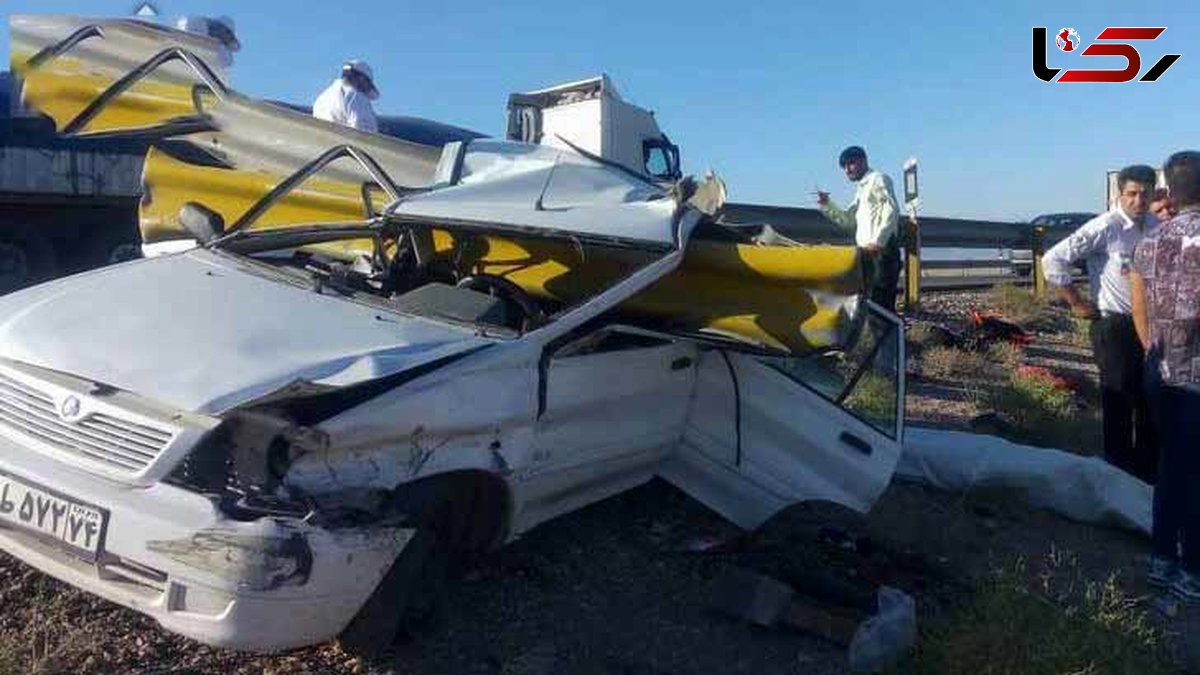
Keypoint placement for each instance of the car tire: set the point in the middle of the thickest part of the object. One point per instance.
(409, 594)
(457, 517)
(26, 258)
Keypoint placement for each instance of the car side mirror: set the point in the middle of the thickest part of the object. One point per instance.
(201, 222)
(660, 158)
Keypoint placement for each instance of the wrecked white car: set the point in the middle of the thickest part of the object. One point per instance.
(265, 442)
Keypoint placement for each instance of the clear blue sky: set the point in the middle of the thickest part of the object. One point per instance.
(765, 92)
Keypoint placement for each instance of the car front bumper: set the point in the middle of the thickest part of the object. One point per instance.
(263, 585)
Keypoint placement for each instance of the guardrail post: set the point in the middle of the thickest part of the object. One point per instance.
(912, 238)
(912, 263)
(1039, 247)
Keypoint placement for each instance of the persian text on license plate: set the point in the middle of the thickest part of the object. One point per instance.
(78, 525)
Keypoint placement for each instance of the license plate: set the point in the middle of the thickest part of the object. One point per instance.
(77, 525)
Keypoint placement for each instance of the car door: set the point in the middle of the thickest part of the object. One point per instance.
(613, 405)
(766, 432)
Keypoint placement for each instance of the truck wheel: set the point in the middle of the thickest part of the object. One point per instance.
(124, 251)
(406, 597)
(107, 248)
(25, 259)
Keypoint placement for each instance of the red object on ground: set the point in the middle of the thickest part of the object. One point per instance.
(1043, 373)
(991, 327)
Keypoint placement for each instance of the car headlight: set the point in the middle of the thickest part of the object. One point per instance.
(243, 461)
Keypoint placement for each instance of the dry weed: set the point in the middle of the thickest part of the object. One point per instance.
(949, 363)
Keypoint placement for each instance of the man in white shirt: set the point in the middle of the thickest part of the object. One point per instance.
(220, 29)
(874, 215)
(1107, 243)
(348, 99)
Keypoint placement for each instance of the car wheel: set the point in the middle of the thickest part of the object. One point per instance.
(25, 258)
(457, 516)
(408, 595)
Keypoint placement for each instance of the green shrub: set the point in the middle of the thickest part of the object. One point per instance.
(1006, 354)
(1070, 625)
(1081, 335)
(950, 363)
(1016, 304)
(1043, 410)
(1040, 392)
(12, 661)
(921, 336)
(874, 399)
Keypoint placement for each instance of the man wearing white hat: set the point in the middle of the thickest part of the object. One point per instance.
(348, 100)
(219, 29)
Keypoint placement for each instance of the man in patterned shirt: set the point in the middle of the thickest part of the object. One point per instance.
(1166, 312)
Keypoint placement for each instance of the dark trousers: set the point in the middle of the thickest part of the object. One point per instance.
(1177, 494)
(886, 275)
(1129, 441)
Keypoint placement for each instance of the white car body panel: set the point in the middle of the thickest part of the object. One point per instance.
(231, 604)
(437, 424)
(155, 249)
(609, 420)
(502, 181)
(208, 335)
(784, 426)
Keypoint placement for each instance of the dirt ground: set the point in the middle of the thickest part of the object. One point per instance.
(618, 588)
(612, 589)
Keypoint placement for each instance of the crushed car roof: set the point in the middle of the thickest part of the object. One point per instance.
(546, 188)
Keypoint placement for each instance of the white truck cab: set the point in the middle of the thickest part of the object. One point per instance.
(591, 115)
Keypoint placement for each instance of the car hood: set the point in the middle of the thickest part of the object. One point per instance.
(204, 332)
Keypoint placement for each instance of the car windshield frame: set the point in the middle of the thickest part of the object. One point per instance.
(250, 244)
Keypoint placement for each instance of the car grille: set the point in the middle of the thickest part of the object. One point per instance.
(108, 440)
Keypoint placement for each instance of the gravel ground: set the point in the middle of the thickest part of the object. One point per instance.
(955, 403)
(609, 590)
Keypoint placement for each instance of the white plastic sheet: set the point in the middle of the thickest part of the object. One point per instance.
(1087, 489)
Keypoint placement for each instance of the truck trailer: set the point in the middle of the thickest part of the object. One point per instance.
(66, 203)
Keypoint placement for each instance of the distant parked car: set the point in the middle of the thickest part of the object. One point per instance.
(1057, 226)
